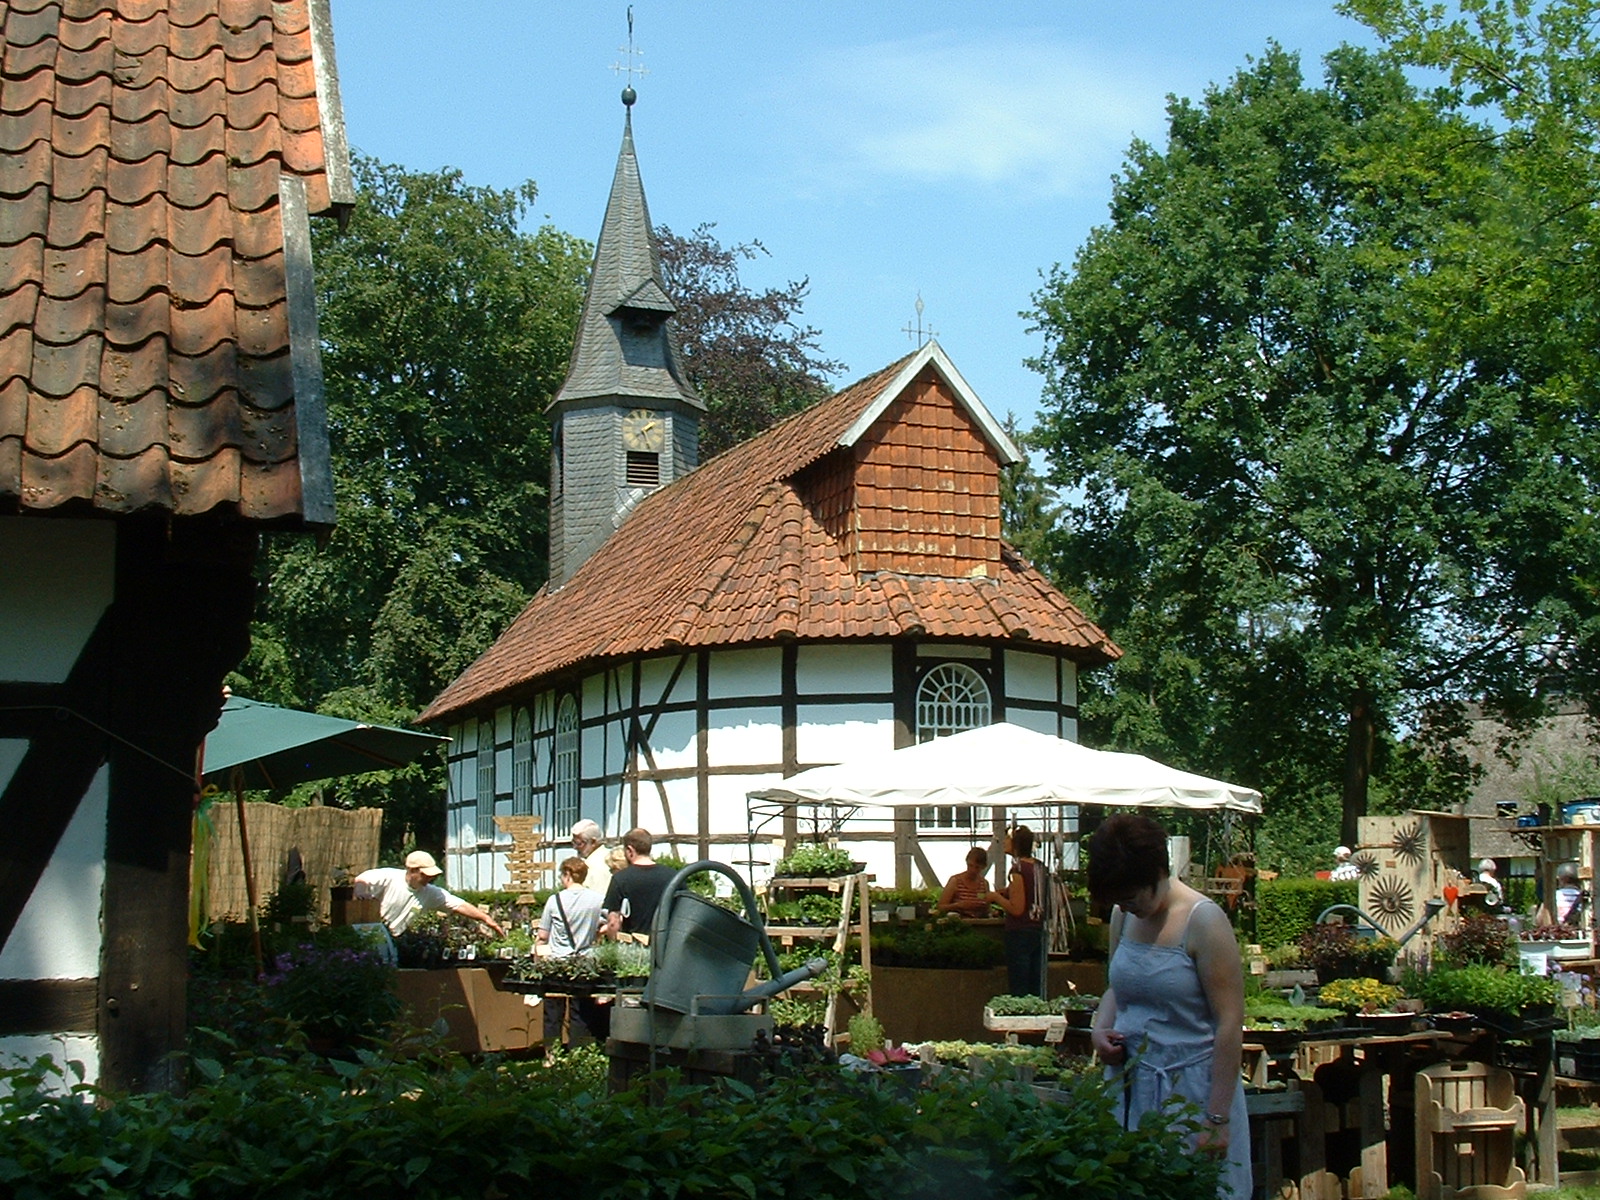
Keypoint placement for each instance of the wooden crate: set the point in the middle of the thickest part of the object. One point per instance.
(1468, 1115)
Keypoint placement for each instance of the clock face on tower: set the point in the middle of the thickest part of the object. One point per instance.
(643, 430)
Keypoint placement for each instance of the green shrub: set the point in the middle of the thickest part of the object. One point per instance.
(338, 992)
(440, 1129)
(1286, 908)
(1481, 989)
(944, 946)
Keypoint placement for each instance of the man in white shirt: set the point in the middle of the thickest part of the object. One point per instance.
(403, 893)
(589, 843)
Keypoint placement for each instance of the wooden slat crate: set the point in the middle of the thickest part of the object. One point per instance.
(1468, 1115)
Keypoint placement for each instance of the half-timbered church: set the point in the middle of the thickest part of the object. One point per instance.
(160, 406)
(836, 586)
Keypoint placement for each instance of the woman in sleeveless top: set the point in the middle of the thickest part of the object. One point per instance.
(1170, 1024)
(968, 892)
(1023, 902)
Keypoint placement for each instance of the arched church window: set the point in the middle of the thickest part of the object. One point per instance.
(522, 762)
(486, 779)
(564, 814)
(951, 698)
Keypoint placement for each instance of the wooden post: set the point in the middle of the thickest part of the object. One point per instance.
(249, 875)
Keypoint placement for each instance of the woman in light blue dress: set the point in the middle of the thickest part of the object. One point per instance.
(1170, 1025)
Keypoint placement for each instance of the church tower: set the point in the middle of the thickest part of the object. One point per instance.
(625, 422)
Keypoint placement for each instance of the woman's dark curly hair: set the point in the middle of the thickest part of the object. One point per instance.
(1127, 852)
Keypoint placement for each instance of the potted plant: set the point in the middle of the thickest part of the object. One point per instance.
(1336, 952)
(813, 860)
(1485, 990)
(1370, 1001)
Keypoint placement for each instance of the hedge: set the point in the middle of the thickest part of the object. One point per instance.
(1286, 908)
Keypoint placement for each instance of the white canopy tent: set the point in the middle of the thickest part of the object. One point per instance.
(1005, 765)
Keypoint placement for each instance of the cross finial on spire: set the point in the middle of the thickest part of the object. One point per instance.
(630, 64)
(922, 335)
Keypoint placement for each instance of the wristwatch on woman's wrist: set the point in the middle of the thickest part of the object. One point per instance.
(1217, 1118)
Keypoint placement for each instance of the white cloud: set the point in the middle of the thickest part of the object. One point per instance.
(1020, 110)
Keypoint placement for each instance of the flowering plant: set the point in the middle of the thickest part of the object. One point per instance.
(1358, 995)
(342, 993)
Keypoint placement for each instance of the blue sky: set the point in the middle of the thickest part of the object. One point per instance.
(884, 149)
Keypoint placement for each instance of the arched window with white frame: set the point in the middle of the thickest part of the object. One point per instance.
(564, 811)
(522, 762)
(951, 698)
(485, 778)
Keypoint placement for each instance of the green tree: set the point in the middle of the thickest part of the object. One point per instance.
(1534, 70)
(1310, 495)
(446, 328)
(745, 351)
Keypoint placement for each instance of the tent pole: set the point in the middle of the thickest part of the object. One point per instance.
(249, 879)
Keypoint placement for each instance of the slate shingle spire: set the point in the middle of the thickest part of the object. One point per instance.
(626, 420)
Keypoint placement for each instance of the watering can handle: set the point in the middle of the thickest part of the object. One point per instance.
(658, 926)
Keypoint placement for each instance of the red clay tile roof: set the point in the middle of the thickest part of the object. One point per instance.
(736, 553)
(145, 292)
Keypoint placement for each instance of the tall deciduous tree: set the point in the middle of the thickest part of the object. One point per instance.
(746, 352)
(1311, 492)
(446, 329)
(1535, 69)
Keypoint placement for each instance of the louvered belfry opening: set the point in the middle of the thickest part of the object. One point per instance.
(644, 468)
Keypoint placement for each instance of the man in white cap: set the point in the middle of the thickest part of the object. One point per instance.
(589, 843)
(1344, 867)
(401, 894)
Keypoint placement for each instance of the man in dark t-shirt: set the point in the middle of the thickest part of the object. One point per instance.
(636, 890)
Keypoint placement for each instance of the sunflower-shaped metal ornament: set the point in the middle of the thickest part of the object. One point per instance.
(1392, 902)
(1366, 864)
(1409, 842)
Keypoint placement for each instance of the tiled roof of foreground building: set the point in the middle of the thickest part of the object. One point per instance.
(158, 159)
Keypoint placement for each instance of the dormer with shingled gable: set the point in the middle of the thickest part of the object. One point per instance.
(914, 488)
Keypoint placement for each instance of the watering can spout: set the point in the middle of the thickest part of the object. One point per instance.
(781, 984)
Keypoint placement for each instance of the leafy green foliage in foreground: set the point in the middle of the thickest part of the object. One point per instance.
(443, 1128)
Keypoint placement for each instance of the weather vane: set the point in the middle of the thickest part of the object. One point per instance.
(922, 335)
(632, 63)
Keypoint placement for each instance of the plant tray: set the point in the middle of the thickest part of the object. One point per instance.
(1028, 1023)
(573, 987)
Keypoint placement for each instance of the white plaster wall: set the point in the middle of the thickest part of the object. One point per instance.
(1039, 722)
(842, 669)
(1069, 685)
(656, 673)
(840, 732)
(682, 796)
(739, 736)
(733, 673)
(58, 934)
(63, 1048)
(1030, 676)
(56, 578)
(672, 742)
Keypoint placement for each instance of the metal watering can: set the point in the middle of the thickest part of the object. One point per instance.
(700, 952)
